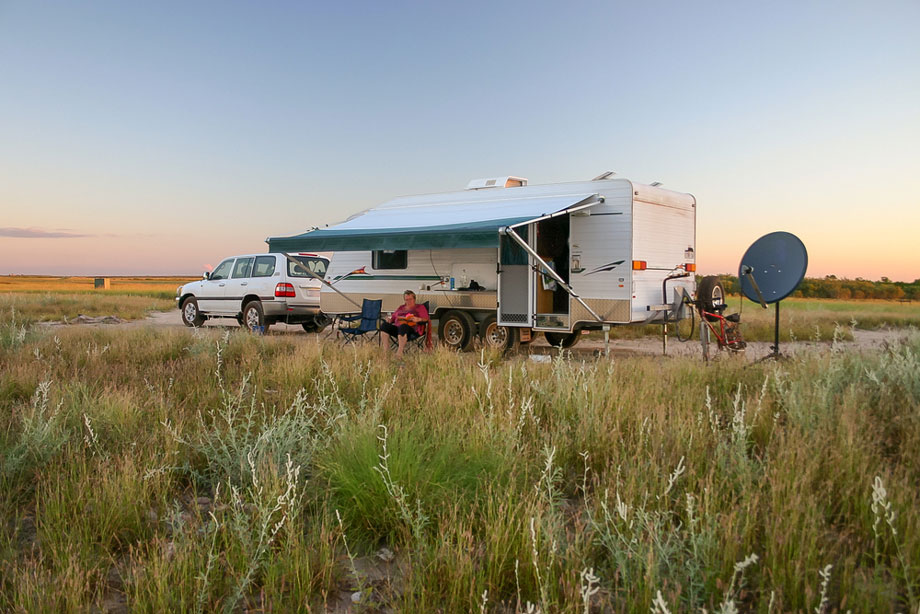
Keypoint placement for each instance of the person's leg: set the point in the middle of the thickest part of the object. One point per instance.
(389, 329)
(403, 331)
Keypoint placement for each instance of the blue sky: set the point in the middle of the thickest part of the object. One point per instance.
(169, 135)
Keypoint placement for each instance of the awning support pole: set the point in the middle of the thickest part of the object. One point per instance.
(517, 239)
(300, 266)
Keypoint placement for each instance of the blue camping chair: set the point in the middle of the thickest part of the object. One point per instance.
(368, 322)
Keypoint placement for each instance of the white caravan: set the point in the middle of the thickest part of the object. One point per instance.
(503, 259)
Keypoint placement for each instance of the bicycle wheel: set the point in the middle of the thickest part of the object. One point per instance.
(733, 340)
(684, 326)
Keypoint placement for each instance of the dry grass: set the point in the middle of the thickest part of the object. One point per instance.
(178, 470)
(162, 287)
(25, 308)
(26, 299)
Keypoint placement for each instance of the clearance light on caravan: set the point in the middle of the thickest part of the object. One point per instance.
(639, 265)
(690, 267)
(285, 290)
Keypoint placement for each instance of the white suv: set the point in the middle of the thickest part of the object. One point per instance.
(257, 290)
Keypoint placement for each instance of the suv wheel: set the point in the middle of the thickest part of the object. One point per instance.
(254, 316)
(190, 314)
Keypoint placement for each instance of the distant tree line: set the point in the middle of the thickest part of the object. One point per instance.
(832, 287)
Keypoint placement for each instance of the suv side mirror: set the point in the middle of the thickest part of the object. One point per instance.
(206, 275)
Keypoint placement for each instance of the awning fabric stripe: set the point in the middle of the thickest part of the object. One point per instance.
(411, 224)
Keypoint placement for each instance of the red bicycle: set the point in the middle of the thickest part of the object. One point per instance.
(711, 305)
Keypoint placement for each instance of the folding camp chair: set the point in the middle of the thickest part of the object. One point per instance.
(423, 341)
(368, 322)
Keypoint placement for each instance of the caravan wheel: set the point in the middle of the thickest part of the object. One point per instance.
(564, 340)
(498, 337)
(455, 330)
(317, 324)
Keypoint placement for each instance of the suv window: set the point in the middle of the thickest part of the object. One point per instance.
(243, 268)
(390, 259)
(222, 271)
(316, 265)
(265, 266)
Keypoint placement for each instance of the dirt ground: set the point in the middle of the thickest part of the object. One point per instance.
(648, 346)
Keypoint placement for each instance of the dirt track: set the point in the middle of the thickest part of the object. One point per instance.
(864, 339)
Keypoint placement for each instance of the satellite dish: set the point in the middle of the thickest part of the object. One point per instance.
(770, 270)
(772, 267)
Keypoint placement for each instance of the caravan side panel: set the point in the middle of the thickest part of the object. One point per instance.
(600, 245)
(353, 274)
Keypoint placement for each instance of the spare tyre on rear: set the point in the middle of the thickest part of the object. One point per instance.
(711, 296)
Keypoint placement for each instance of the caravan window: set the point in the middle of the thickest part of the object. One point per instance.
(390, 259)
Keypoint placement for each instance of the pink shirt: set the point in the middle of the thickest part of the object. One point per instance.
(418, 311)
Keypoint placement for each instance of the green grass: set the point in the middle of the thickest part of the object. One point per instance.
(811, 318)
(208, 470)
(803, 319)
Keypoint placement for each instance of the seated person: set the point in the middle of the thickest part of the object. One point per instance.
(407, 322)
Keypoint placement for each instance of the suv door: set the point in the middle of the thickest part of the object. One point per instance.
(213, 288)
(237, 286)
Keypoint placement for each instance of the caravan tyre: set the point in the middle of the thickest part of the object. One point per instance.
(498, 337)
(317, 324)
(564, 340)
(711, 295)
(455, 330)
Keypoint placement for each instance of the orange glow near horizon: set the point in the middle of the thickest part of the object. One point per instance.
(718, 252)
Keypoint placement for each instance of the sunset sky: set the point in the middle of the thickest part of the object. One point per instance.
(159, 137)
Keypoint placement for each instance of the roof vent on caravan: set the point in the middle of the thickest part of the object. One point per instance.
(496, 182)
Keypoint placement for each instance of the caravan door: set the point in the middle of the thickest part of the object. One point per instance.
(515, 294)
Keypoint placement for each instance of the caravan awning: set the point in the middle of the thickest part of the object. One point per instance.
(412, 223)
